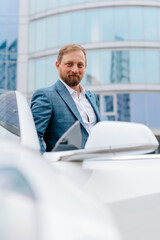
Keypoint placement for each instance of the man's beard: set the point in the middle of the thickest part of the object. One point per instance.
(71, 80)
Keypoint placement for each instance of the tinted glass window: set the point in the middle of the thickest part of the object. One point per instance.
(8, 43)
(8, 113)
(42, 73)
(138, 106)
(132, 107)
(103, 67)
(78, 23)
(150, 24)
(41, 33)
(121, 24)
(109, 106)
(89, 26)
(65, 29)
(93, 72)
(123, 107)
(52, 32)
(136, 24)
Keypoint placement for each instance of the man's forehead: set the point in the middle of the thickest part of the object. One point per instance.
(73, 55)
(73, 51)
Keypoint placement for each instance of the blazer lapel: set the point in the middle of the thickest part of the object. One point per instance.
(65, 95)
(91, 99)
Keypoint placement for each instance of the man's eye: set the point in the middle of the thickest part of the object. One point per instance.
(80, 65)
(69, 64)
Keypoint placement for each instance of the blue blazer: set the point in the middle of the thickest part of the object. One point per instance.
(54, 111)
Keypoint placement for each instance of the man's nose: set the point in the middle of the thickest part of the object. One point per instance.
(75, 68)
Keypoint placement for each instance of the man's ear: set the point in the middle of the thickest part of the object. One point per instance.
(57, 65)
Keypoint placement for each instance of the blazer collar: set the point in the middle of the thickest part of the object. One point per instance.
(91, 99)
(65, 95)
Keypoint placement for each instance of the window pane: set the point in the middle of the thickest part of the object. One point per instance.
(64, 2)
(121, 24)
(32, 6)
(109, 118)
(123, 107)
(138, 108)
(79, 1)
(32, 37)
(137, 66)
(3, 35)
(78, 27)
(41, 5)
(12, 7)
(12, 34)
(41, 35)
(106, 25)
(12, 49)
(11, 74)
(3, 8)
(52, 32)
(53, 4)
(3, 49)
(153, 116)
(93, 73)
(152, 67)
(120, 67)
(105, 57)
(150, 24)
(65, 29)
(40, 73)
(3, 73)
(51, 71)
(31, 77)
(136, 24)
(108, 105)
(93, 33)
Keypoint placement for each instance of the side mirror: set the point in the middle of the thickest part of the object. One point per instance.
(121, 137)
(70, 140)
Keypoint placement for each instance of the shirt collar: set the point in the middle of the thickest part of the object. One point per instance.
(71, 90)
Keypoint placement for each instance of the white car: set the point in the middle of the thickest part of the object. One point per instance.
(36, 203)
(114, 168)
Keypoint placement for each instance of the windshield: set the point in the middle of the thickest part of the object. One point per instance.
(9, 123)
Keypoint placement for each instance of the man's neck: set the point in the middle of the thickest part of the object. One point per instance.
(77, 89)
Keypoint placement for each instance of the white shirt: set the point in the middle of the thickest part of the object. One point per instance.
(84, 107)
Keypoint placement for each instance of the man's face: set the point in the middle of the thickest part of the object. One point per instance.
(72, 67)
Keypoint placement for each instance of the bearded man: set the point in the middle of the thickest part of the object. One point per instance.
(55, 109)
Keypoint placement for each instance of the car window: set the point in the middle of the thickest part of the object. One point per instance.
(9, 122)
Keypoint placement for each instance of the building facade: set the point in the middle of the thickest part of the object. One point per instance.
(8, 43)
(122, 39)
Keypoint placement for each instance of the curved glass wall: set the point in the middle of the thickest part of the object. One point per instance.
(92, 26)
(37, 6)
(132, 66)
(8, 43)
(103, 67)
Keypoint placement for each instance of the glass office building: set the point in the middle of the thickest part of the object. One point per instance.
(122, 39)
(8, 43)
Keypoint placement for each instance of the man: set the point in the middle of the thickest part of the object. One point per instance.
(55, 109)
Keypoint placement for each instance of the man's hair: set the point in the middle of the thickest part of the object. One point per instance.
(69, 48)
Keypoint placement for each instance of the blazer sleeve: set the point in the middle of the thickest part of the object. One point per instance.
(41, 108)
